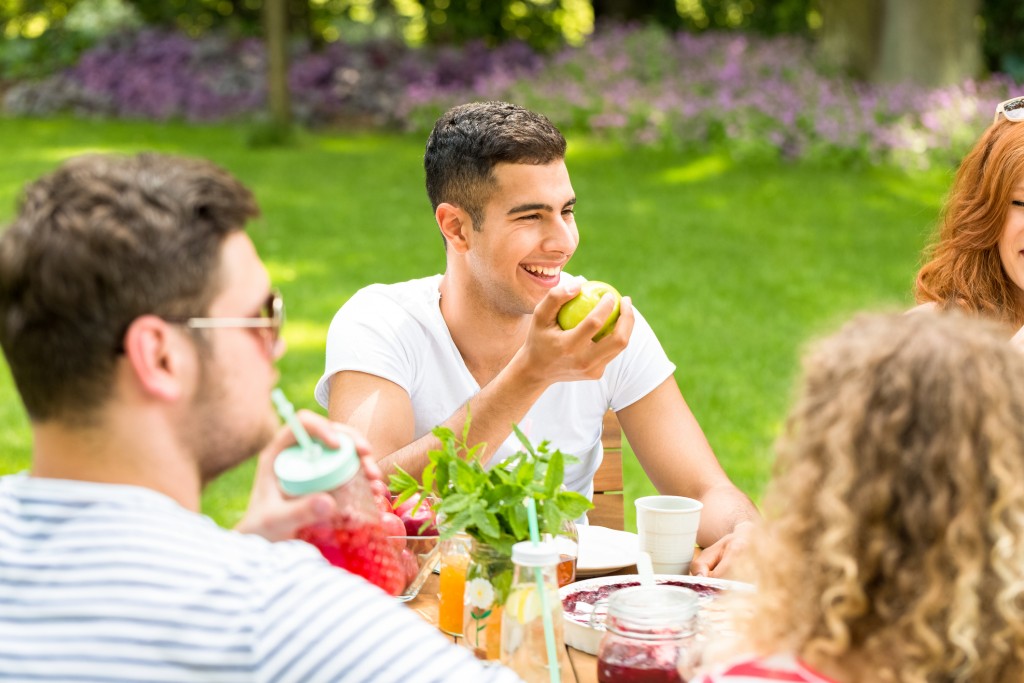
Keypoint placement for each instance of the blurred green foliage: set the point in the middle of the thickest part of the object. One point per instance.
(22, 58)
(40, 35)
(769, 17)
(459, 21)
(1003, 44)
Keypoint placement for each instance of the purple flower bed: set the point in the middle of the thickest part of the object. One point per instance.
(155, 75)
(758, 97)
(161, 75)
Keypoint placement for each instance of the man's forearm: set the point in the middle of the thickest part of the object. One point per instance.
(504, 401)
(725, 507)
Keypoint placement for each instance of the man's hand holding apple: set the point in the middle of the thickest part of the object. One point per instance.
(575, 311)
(552, 354)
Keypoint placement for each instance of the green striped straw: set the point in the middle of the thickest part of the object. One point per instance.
(549, 627)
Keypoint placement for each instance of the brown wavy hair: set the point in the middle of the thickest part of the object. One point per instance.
(963, 269)
(98, 242)
(894, 542)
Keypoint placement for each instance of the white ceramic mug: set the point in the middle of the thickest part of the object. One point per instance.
(667, 527)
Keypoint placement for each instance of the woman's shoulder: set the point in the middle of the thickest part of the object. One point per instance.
(927, 306)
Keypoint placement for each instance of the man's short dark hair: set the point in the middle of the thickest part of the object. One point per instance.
(470, 139)
(99, 242)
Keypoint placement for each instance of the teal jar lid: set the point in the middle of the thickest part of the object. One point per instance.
(317, 468)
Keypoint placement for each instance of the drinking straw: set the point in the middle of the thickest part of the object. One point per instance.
(549, 627)
(287, 412)
(645, 569)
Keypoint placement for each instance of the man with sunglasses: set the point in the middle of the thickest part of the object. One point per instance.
(140, 328)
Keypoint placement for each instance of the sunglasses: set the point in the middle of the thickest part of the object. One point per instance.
(1012, 109)
(270, 318)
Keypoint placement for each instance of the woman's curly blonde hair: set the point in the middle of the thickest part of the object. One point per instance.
(895, 521)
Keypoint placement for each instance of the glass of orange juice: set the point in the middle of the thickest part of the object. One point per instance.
(454, 559)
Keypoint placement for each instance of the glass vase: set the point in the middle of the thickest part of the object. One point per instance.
(488, 581)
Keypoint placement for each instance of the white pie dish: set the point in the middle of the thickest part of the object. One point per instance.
(584, 626)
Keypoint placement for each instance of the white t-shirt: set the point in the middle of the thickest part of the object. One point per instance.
(397, 332)
(103, 582)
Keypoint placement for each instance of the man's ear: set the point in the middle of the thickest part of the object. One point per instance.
(158, 356)
(455, 225)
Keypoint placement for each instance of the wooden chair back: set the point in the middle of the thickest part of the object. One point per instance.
(609, 509)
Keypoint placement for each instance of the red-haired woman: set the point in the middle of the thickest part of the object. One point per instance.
(977, 263)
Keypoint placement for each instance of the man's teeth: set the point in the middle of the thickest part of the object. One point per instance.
(543, 270)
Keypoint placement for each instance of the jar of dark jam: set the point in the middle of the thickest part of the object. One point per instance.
(650, 636)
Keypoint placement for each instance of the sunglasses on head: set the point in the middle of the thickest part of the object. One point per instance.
(1012, 109)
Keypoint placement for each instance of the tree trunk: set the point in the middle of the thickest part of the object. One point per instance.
(275, 20)
(929, 42)
(851, 35)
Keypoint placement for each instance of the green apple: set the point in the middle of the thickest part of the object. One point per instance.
(576, 309)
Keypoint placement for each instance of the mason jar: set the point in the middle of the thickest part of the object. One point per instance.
(650, 636)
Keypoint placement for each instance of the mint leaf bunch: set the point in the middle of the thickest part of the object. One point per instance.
(489, 504)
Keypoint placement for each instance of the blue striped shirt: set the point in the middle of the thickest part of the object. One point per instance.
(103, 582)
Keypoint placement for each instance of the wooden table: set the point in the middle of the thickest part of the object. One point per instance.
(584, 665)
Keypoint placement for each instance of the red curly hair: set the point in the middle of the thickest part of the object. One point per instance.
(963, 268)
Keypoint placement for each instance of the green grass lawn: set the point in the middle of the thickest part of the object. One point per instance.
(735, 265)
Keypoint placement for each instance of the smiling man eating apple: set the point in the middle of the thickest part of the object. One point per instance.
(483, 337)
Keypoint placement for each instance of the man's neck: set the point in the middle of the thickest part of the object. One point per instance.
(486, 339)
(131, 449)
